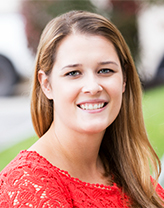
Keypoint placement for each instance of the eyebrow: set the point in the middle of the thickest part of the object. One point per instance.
(71, 66)
(100, 63)
(108, 62)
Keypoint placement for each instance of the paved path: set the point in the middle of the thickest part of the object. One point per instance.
(15, 120)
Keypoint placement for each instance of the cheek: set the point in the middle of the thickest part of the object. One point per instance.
(64, 93)
(115, 88)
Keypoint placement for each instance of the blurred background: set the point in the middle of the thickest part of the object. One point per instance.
(21, 23)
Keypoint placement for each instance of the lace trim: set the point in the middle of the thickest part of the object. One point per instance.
(67, 175)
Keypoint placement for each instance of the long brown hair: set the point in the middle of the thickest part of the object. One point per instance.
(125, 150)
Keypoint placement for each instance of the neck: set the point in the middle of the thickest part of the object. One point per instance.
(77, 153)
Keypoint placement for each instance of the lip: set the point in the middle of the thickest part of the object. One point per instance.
(95, 101)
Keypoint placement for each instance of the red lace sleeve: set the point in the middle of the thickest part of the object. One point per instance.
(27, 184)
(160, 191)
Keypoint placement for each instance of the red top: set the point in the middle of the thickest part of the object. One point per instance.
(31, 181)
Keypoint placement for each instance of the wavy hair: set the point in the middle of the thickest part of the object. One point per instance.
(125, 149)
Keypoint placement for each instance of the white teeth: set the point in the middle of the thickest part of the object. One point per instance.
(82, 106)
(95, 106)
(92, 106)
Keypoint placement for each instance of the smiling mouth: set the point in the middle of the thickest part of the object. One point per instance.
(92, 106)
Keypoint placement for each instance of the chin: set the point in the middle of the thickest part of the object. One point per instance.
(94, 129)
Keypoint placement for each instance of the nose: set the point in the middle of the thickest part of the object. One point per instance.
(92, 86)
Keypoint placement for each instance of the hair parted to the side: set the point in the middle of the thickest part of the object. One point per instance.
(125, 150)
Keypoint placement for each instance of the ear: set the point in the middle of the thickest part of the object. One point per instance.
(124, 83)
(123, 87)
(45, 84)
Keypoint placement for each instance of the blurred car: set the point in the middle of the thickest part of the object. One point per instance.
(16, 60)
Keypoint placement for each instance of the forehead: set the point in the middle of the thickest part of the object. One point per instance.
(78, 45)
(78, 37)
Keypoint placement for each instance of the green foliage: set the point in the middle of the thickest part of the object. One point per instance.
(124, 16)
(38, 13)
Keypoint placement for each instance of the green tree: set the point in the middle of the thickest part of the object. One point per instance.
(124, 16)
(38, 13)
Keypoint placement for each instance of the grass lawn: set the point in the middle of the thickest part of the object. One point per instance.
(153, 109)
(7, 155)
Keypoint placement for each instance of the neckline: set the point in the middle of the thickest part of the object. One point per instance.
(68, 176)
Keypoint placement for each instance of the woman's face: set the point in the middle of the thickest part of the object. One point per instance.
(86, 84)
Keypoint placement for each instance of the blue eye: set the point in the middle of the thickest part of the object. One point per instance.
(105, 71)
(73, 73)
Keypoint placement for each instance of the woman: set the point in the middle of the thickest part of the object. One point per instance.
(93, 149)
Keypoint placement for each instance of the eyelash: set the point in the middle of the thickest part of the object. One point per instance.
(73, 73)
(104, 70)
(77, 73)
